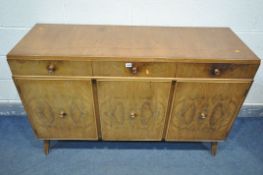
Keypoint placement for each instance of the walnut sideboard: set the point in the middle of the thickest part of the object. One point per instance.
(132, 83)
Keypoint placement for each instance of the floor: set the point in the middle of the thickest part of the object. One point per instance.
(21, 153)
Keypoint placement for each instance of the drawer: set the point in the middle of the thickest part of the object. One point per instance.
(216, 70)
(36, 67)
(141, 69)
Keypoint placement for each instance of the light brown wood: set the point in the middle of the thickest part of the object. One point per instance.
(133, 59)
(45, 100)
(65, 68)
(153, 79)
(211, 44)
(216, 70)
(169, 107)
(132, 110)
(92, 82)
(96, 107)
(237, 111)
(46, 146)
(213, 148)
(136, 69)
(204, 111)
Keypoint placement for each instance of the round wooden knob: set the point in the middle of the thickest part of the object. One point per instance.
(62, 114)
(203, 115)
(132, 115)
(217, 71)
(134, 70)
(51, 68)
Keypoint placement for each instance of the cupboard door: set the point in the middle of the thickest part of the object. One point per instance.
(204, 111)
(132, 110)
(61, 109)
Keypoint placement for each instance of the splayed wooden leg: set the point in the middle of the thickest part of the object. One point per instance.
(213, 148)
(46, 146)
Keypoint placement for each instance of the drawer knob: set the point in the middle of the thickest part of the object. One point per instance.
(133, 115)
(51, 68)
(217, 71)
(203, 115)
(62, 114)
(134, 70)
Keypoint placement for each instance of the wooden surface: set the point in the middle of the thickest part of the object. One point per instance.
(70, 68)
(204, 111)
(213, 148)
(132, 69)
(45, 100)
(201, 70)
(135, 69)
(49, 41)
(119, 100)
(132, 83)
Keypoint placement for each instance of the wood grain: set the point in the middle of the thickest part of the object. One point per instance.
(153, 79)
(46, 100)
(36, 67)
(128, 42)
(118, 100)
(194, 70)
(143, 69)
(169, 108)
(180, 83)
(96, 107)
(204, 111)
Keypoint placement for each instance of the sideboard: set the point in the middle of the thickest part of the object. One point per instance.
(132, 83)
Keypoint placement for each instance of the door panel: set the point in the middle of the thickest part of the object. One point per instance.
(204, 111)
(132, 110)
(61, 109)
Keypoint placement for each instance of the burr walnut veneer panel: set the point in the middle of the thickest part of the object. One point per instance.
(204, 111)
(133, 110)
(59, 109)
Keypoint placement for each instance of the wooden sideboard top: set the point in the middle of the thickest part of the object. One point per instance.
(134, 43)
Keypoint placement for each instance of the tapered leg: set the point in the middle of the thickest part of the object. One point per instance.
(213, 148)
(46, 146)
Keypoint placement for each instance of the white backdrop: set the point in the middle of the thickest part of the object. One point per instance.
(245, 17)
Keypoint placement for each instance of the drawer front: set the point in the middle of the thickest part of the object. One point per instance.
(50, 68)
(140, 69)
(216, 70)
(132, 110)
